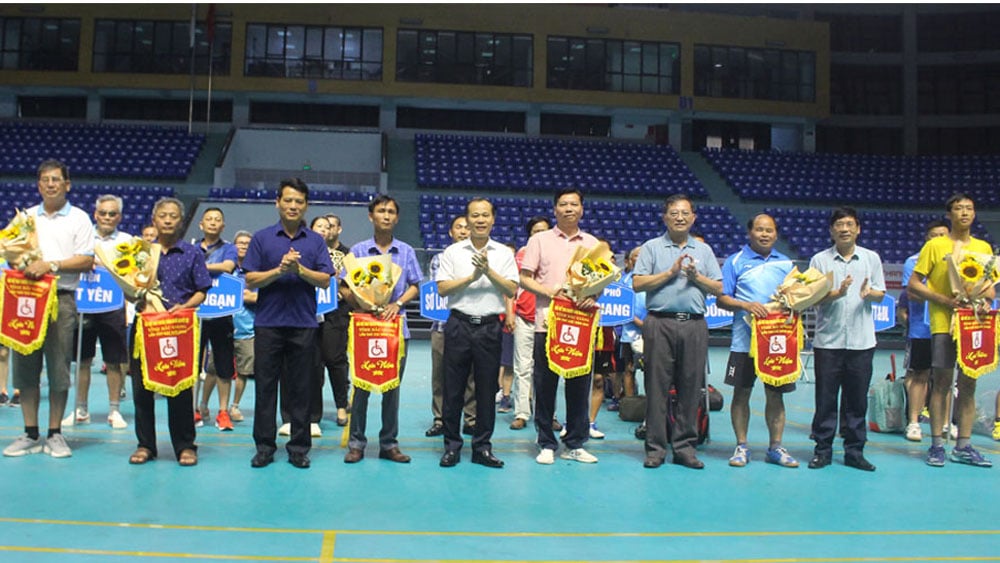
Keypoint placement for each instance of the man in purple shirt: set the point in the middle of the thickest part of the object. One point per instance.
(286, 262)
(184, 281)
(383, 212)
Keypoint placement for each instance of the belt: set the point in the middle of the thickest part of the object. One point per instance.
(65, 292)
(677, 316)
(481, 320)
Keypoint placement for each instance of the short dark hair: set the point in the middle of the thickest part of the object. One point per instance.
(317, 218)
(213, 209)
(936, 223)
(843, 213)
(455, 220)
(334, 217)
(675, 198)
(51, 163)
(379, 200)
(565, 191)
(493, 208)
(534, 221)
(955, 198)
(296, 184)
(754, 219)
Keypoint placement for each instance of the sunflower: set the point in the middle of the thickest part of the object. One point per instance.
(125, 265)
(10, 233)
(603, 266)
(137, 244)
(970, 270)
(358, 276)
(375, 270)
(587, 266)
(124, 247)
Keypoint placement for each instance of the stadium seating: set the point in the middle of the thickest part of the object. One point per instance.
(103, 151)
(545, 165)
(895, 181)
(625, 224)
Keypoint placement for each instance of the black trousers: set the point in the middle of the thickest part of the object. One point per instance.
(180, 413)
(219, 332)
(476, 347)
(292, 351)
(845, 374)
(333, 351)
(546, 384)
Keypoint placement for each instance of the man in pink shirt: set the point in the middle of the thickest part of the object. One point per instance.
(543, 272)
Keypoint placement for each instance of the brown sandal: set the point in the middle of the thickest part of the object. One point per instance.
(140, 456)
(187, 458)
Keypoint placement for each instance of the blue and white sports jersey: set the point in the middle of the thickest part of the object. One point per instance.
(748, 276)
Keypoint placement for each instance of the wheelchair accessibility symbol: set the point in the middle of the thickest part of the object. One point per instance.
(569, 335)
(777, 344)
(377, 348)
(977, 339)
(168, 347)
(26, 307)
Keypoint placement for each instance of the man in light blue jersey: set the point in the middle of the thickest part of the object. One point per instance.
(749, 278)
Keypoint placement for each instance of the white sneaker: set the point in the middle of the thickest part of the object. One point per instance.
(315, 431)
(562, 433)
(24, 445)
(56, 446)
(950, 429)
(579, 454)
(595, 433)
(546, 456)
(117, 421)
(77, 416)
(913, 432)
(285, 429)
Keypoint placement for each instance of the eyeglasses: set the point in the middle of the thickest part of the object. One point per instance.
(676, 214)
(845, 224)
(107, 213)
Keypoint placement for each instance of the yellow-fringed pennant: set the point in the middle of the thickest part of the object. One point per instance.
(775, 343)
(975, 337)
(27, 308)
(569, 346)
(167, 347)
(375, 349)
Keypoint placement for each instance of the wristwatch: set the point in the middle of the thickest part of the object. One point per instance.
(54, 266)
(400, 304)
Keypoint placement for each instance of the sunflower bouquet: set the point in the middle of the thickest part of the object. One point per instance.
(591, 270)
(371, 279)
(971, 275)
(19, 241)
(800, 290)
(133, 265)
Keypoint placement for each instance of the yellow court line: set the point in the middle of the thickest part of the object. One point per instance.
(781, 560)
(76, 551)
(326, 550)
(762, 533)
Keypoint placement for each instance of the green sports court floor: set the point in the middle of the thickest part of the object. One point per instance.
(96, 507)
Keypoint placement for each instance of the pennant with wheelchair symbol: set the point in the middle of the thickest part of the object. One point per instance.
(27, 307)
(375, 349)
(167, 347)
(775, 343)
(569, 345)
(975, 336)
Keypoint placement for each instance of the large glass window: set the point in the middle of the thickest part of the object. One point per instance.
(613, 65)
(969, 31)
(463, 57)
(39, 43)
(759, 74)
(296, 51)
(864, 33)
(160, 47)
(958, 89)
(866, 90)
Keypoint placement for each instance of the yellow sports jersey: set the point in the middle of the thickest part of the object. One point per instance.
(932, 265)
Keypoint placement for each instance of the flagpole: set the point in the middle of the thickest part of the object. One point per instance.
(194, 14)
(208, 103)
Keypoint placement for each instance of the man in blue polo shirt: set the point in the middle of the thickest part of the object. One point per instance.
(676, 271)
(749, 278)
(285, 262)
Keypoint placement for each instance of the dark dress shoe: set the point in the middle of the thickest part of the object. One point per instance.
(652, 462)
(819, 461)
(690, 462)
(299, 460)
(486, 458)
(556, 426)
(354, 455)
(261, 459)
(341, 422)
(436, 429)
(468, 429)
(518, 424)
(858, 462)
(450, 458)
(394, 455)
(640, 432)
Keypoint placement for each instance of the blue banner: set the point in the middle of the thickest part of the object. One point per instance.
(715, 316)
(98, 292)
(617, 305)
(326, 299)
(884, 313)
(224, 298)
(432, 305)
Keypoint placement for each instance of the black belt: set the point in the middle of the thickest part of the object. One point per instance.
(65, 292)
(677, 316)
(475, 320)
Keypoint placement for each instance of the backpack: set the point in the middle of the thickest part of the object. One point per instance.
(701, 418)
(887, 403)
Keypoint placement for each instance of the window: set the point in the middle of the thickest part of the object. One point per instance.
(970, 31)
(759, 74)
(155, 109)
(460, 120)
(864, 33)
(866, 90)
(333, 115)
(575, 124)
(613, 65)
(160, 47)
(296, 51)
(463, 57)
(39, 43)
(958, 89)
(52, 107)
